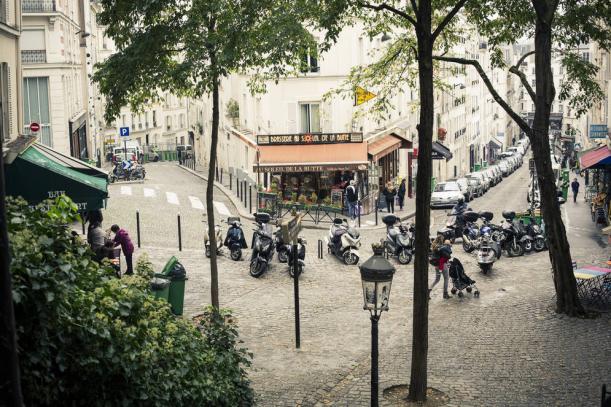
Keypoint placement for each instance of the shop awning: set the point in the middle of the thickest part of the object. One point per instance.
(440, 152)
(70, 162)
(597, 158)
(382, 146)
(37, 174)
(492, 145)
(312, 158)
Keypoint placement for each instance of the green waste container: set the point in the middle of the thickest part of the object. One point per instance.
(176, 274)
(160, 287)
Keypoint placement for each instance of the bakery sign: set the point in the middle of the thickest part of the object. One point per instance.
(309, 138)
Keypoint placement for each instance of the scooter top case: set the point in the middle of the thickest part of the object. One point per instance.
(470, 216)
(390, 220)
(487, 216)
(262, 217)
(232, 219)
(509, 215)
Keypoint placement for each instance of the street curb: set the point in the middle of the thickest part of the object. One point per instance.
(244, 214)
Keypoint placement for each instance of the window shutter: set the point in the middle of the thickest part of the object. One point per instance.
(5, 106)
(291, 122)
(11, 105)
(327, 113)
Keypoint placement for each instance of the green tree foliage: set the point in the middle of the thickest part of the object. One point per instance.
(87, 338)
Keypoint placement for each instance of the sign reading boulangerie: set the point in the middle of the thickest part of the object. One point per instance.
(309, 138)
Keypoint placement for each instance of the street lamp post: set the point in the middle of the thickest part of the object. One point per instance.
(376, 277)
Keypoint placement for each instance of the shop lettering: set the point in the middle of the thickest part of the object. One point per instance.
(55, 194)
(82, 206)
(309, 138)
(309, 168)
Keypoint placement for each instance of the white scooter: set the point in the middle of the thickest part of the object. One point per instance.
(343, 241)
(218, 231)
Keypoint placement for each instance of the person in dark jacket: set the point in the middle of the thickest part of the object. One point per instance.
(352, 198)
(122, 238)
(389, 193)
(401, 194)
(575, 188)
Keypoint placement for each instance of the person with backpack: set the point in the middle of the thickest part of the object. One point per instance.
(441, 253)
(352, 198)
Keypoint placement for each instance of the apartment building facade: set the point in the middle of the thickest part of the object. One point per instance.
(11, 121)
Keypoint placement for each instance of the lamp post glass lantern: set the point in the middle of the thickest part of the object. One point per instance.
(376, 277)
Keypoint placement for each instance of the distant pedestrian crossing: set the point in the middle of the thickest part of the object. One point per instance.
(172, 198)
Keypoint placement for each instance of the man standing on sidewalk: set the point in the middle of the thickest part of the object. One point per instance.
(352, 198)
(575, 188)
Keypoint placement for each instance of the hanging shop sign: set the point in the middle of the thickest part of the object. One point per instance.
(598, 131)
(309, 138)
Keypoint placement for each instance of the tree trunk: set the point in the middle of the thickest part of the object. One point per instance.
(214, 283)
(420, 340)
(10, 382)
(567, 301)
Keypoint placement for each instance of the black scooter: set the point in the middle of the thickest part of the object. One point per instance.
(235, 240)
(262, 245)
(301, 244)
(399, 240)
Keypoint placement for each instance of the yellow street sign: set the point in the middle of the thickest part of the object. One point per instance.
(362, 95)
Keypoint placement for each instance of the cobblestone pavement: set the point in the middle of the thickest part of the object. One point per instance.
(507, 348)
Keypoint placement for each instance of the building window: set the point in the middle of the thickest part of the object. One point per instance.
(310, 117)
(585, 56)
(36, 107)
(123, 120)
(133, 122)
(309, 62)
(154, 118)
(168, 123)
(182, 120)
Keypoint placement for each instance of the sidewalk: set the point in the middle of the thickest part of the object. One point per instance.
(367, 221)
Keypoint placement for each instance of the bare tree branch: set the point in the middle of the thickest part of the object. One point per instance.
(414, 6)
(495, 95)
(384, 6)
(448, 18)
(516, 71)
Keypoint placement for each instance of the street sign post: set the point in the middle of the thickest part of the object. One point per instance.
(124, 132)
(34, 127)
(290, 231)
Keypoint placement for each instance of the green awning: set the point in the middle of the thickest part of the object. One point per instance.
(37, 176)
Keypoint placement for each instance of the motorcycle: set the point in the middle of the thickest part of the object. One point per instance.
(471, 233)
(461, 225)
(281, 247)
(135, 171)
(343, 241)
(511, 235)
(399, 240)
(301, 243)
(235, 240)
(218, 233)
(495, 232)
(262, 245)
(535, 231)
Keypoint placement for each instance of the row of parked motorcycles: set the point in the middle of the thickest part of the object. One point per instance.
(266, 241)
(135, 171)
(515, 237)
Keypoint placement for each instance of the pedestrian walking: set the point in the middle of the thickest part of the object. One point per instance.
(575, 188)
(401, 194)
(352, 197)
(122, 238)
(389, 193)
(441, 253)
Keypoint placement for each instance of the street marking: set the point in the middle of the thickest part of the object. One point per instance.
(221, 208)
(172, 198)
(126, 190)
(149, 193)
(196, 203)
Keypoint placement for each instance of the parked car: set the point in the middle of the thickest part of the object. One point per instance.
(484, 180)
(477, 186)
(119, 154)
(497, 173)
(504, 167)
(446, 194)
(492, 175)
(465, 188)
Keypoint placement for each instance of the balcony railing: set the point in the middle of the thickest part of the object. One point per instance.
(33, 56)
(38, 6)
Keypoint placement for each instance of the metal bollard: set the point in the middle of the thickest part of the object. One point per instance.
(83, 225)
(376, 205)
(320, 251)
(217, 172)
(359, 210)
(237, 187)
(249, 198)
(221, 175)
(230, 180)
(245, 194)
(179, 235)
(138, 227)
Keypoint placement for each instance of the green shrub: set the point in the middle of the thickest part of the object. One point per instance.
(87, 338)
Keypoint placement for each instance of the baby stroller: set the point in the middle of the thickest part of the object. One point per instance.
(460, 279)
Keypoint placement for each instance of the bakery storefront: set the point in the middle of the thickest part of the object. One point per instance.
(309, 169)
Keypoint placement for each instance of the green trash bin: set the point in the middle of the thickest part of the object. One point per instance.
(160, 287)
(176, 274)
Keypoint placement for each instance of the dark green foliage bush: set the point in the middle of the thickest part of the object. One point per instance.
(87, 338)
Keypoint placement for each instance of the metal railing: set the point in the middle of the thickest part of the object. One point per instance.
(38, 6)
(34, 56)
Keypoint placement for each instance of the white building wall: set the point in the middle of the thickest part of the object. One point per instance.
(11, 118)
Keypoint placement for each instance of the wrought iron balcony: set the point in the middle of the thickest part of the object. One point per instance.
(38, 6)
(33, 56)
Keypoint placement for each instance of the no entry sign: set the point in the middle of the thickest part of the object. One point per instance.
(34, 127)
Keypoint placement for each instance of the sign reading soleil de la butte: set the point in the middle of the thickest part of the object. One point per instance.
(309, 138)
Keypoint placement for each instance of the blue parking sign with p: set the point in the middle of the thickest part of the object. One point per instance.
(124, 131)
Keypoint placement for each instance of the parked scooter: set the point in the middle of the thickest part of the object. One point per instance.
(281, 247)
(535, 231)
(301, 244)
(511, 235)
(488, 251)
(343, 241)
(262, 245)
(399, 240)
(235, 240)
(218, 232)
(134, 172)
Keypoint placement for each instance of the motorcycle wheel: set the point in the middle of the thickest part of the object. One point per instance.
(208, 251)
(350, 258)
(256, 268)
(283, 256)
(514, 250)
(404, 256)
(539, 244)
(485, 268)
(527, 246)
(236, 254)
(497, 236)
(467, 246)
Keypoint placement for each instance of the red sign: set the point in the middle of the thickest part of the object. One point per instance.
(415, 153)
(441, 134)
(34, 127)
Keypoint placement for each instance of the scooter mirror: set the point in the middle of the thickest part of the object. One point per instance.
(561, 200)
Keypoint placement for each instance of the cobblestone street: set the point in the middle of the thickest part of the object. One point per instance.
(506, 348)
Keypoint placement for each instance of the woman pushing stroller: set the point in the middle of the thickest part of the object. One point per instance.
(441, 252)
